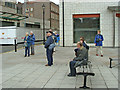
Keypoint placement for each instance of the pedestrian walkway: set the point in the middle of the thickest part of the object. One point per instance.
(31, 72)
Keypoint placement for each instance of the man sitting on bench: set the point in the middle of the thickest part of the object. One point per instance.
(80, 53)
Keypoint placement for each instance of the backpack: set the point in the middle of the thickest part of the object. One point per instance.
(54, 38)
(52, 46)
(98, 39)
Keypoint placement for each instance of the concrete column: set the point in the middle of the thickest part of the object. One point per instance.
(114, 28)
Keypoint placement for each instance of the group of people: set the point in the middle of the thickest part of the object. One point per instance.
(29, 42)
(81, 52)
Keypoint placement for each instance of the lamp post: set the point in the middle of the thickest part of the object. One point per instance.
(43, 6)
(63, 23)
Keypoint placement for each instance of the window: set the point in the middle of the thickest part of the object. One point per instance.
(86, 26)
(18, 24)
(5, 23)
(27, 10)
(52, 16)
(32, 25)
(31, 9)
(10, 5)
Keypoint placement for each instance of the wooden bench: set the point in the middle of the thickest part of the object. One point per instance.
(85, 64)
(114, 58)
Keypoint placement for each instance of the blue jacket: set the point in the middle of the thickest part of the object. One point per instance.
(57, 38)
(99, 36)
(49, 41)
(85, 45)
(28, 41)
(32, 39)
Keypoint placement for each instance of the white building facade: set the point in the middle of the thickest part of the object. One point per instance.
(79, 18)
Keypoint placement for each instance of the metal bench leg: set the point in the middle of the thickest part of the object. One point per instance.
(110, 62)
(85, 81)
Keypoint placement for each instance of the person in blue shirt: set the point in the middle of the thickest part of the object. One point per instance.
(27, 43)
(49, 52)
(32, 37)
(57, 39)
(99, 43)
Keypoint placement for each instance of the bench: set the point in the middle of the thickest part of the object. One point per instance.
(85, 64)
(114, 58)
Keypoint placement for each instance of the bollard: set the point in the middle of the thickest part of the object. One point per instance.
(110, 62)
(15, 45)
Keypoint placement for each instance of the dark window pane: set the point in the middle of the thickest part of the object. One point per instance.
(5, 23)
(86, 27)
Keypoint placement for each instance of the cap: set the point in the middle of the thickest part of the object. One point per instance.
(49, 32)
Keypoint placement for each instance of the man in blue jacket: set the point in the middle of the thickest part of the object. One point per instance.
(27, 43)
(98, 43)
(32, 36)
(48, 51)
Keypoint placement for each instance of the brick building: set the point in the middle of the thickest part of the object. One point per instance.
(34, 10)
(8, 14)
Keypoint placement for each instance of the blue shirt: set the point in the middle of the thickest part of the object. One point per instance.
(27, 38)
(99, 36)
(32, 39)
(85, 45)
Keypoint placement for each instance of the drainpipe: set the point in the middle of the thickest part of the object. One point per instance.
(114, 29)
(63, 24)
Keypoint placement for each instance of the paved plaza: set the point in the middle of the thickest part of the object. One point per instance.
(31, 72)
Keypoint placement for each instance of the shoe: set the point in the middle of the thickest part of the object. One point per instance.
(47, 65)
(101, 55)
(25, 56)
(28, 55)
(69, 75)
(97, 55)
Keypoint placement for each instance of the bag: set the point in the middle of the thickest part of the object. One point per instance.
(25, 44)
(51, 46)
(54, 38)
(97, 40)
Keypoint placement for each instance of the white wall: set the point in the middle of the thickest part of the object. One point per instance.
(106, 19)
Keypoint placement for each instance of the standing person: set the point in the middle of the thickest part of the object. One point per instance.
(53, 36)
(48, 51)
(27, 43)
(57, 39)
(32, 36)
(83, 42)
(98, 43)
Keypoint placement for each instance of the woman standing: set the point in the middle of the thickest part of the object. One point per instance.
(27, 43)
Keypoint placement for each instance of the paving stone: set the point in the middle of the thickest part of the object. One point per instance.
(31, 72)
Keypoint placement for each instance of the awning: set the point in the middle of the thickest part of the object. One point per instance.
(114, 8)
(11, 16)
(117, 14)
(85, 15)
